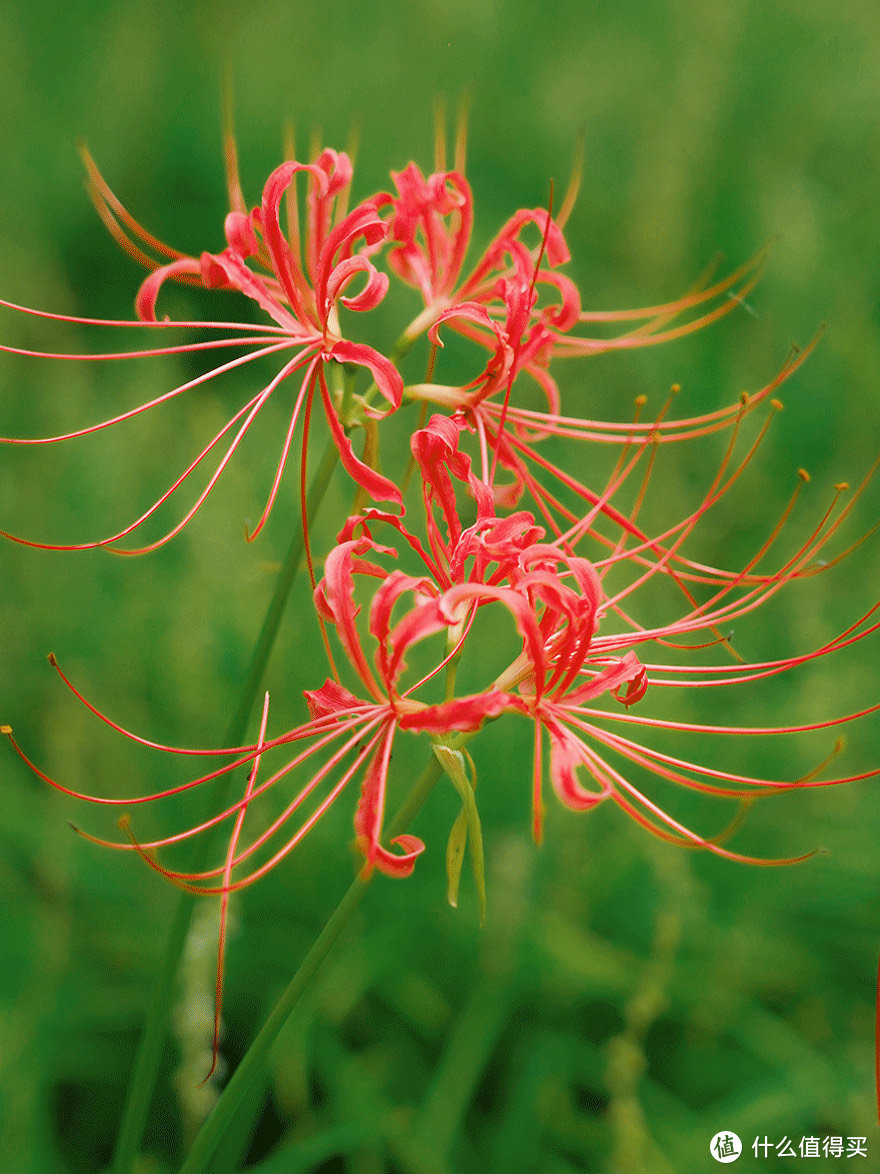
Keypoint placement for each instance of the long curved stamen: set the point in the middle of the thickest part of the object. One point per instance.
(665, 828)
(357, 725)
(189, 881)
(669, 767)
(117, 218)
(232, 365)
(137, 324)
(304, 390)
(698, 296)
(686, 428)
(255, 407)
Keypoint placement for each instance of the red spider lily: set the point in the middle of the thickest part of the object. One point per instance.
(301, 296)
(430, 220)
(655, 553)
(583, 655)
(522, 338)
(366, 727)
(567, 664)
(497, 305)
(566, 659)
(299, 281)
(363, 730)
(455, 553)
(346, 737)
(568, 656)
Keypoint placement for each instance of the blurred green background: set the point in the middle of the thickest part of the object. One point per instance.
(626, 1000)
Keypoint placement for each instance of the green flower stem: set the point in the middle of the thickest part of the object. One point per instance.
(208, 1140)
(286, 577)
(150, 1049)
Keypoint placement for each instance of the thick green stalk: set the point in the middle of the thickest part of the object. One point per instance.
(149, 1054)
(252, 1064)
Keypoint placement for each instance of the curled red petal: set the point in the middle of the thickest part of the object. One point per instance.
(369, 816)
(376, 485)
(567, 314)
(626, 679)
(519, 606)
(462, 714)
(337, 597)
(361, 223)
(470, 312)
(370, 296)
(566, 755)
(145, 302)
(229, 268)
(240, 235)
(284, 262)
(633, 689)
(359, 521)
(391, 863)
(388, 378)
(556, 250)
(419, 622)
(337, 171)
(430, 223)
(337, 168)
(435, 447)
(331, 698)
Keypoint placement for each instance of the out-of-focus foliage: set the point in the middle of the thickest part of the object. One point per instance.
(626, 1000)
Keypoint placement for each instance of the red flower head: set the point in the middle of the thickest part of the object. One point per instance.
(581, 646)
(498, 305)
(300, 284)
(579, 670)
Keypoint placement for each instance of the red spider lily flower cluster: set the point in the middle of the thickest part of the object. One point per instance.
(583, 655)
(299, 280)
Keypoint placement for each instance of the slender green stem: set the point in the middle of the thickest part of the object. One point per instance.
(207, 1142)
(286, 578)
(149, 1054)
